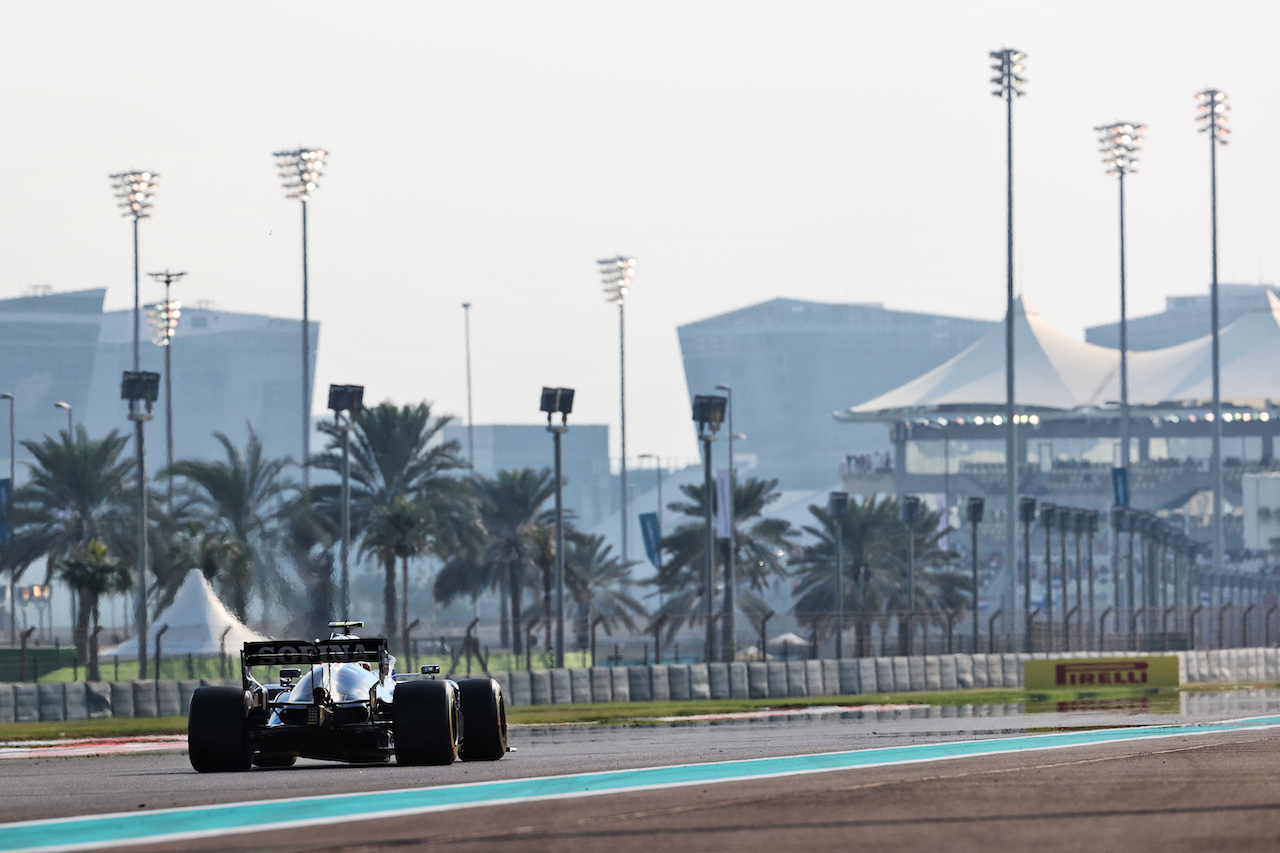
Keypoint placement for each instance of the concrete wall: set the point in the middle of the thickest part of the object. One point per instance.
(676, 682)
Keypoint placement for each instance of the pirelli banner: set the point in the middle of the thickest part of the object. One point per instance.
(1077, 673)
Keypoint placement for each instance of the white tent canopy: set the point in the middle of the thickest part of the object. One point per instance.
(1249, 353)
(1056, 372)
(1053, 371)
(196, 620)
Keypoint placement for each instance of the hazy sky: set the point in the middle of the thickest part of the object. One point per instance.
(491, 152)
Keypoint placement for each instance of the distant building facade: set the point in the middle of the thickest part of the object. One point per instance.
(590, 492)
(230, 371)
(1184, 318)
(792, 363)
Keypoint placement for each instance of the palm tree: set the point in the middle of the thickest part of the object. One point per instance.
(78, 491)
(397, 530)
(308, 538)
(239, 498)
(761, 545)
(513, 521)
(595, 581)
(91, 572)
(875, 556)
(401, 478)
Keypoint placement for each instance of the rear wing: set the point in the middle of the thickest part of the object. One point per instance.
(302, 652)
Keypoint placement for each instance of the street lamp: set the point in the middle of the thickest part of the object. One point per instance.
(1027, 515)
(976, 506)
(616, 273)
(657, 470)
(1121, 142)
(70, 423)
(8, 522)
(1090, 528)
(164, 325)
(728, 629)
(1047, 520)
(135, 190)
(1212, 110)
(837, 506)
(1064, 524)
(558, 401)
(349, 399)
(708, 413)
(300, 170)
(141, 387)
(1009, 82)
(471, 436)
(911, 511)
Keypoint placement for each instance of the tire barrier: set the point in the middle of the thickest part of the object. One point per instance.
(658, 683)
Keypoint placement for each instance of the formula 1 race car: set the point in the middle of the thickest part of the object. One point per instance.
(340, 699)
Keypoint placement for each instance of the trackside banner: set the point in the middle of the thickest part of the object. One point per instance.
(1072, 673)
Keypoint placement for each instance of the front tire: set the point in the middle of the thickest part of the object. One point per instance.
(217, 733)
(484, 720)
(422, 720)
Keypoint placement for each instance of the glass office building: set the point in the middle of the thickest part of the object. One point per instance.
(230, 371)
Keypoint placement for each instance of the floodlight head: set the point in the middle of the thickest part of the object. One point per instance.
(1008, 67)
(616, 274)
(557, 400)
(346, 398)
(301, 171)
(976, 508)
(910, 508)
(837, 503)
(135, 189)
(708, 413)
(1047, 515)
(1091, 522)
(1027, 509)
(140, 385)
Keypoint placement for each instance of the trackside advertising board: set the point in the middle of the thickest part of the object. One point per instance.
(1072, 673)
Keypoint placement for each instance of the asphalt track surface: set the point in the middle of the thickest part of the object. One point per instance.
(1199, 788)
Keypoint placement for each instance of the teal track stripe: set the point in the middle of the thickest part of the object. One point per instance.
(121, 829)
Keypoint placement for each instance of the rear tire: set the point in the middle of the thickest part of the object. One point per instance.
(484, 720)
(217, 734)
(422, 720)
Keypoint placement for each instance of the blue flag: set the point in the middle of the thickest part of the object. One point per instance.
(652, 534)
(1120, 484)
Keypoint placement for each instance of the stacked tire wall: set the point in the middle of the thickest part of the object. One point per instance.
(656, 683)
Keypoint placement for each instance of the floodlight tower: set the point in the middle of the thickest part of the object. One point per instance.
(615, 274)
(300, 170)
(135, 190)
(1008, 84)
(163, 317)
(1211, 106)
(1121, 142)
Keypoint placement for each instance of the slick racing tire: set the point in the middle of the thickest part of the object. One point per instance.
(217, 734)
(422, 720)
(484, 720)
